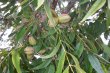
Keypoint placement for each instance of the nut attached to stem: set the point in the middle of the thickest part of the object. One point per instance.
(32, 40)
(29, 51)
(64, 18)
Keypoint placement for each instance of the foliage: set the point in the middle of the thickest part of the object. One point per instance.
(72, 47)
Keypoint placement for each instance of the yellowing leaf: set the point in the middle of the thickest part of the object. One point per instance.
(96, 6)
(16, 60)
(39, 4)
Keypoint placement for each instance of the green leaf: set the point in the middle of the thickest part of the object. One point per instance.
(109, 4)
(66, 70)
(79, 70)
(16, 60)
(51, 69)
(50, 32)
(35, 28)
(75, 59)
(77, 65)
(48, 11)
(106, 49)
(96, 6)
(79, 49)
(44, 64)
(27, 12)
(95, 63)
(39, 4)
(10, 65)
(83, 1)
(61, 61)
(71, 36)
(53, 52)
(104, 68)
(21, 34)
(108, 17)
(102, 59)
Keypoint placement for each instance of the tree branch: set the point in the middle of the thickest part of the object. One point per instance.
(54, 4)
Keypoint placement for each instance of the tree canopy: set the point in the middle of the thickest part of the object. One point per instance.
(55, 36)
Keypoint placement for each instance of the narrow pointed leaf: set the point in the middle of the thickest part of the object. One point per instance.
(79, 49)
(104, 68)
(16, 60)
(95, 63)
(61, 62)
(48, 11)
(106, 50)
(108, 17)
(53, 52)
(96, 6)
(66, 70)
(77, 65)
(75, 59)
(39, 3)
(51, 69)
(79, 70)
(42, 65)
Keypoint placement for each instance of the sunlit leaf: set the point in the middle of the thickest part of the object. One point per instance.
(16, 60)
(75, 59)
(108, 17)
(61, 61)
(77, 65)
(79, 70)
(95, 63)
(66, 70)
(109, 4)
(104, 68)
(40, 2)
(96, 6)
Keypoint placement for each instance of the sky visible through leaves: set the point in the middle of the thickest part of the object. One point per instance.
(5, 42)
